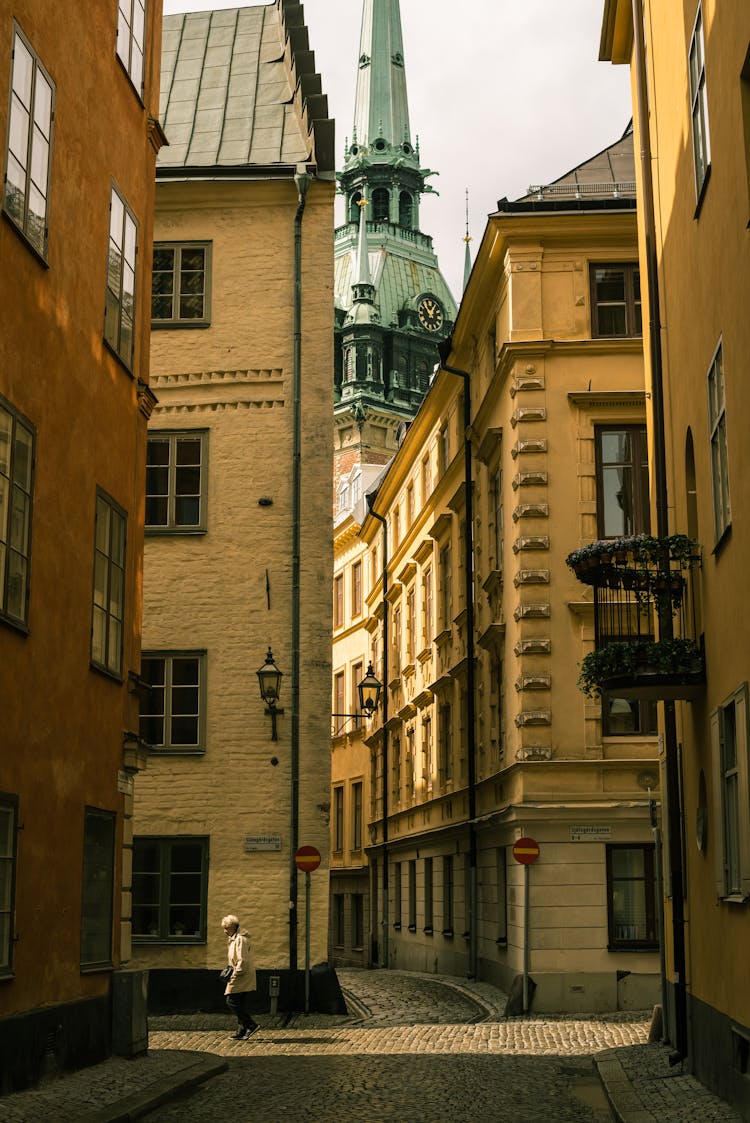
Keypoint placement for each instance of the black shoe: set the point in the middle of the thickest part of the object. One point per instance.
(238, 1035)
(252, 1030)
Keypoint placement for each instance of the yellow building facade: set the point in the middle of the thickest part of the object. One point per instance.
(691, 80)
(238, 553)
(486, 738)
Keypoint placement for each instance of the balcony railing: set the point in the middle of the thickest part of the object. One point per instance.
(645, 617)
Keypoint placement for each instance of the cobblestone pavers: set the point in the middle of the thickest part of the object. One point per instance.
(414, 1047)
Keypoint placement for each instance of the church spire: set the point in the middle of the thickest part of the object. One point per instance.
(381, 109)
(467, 239)
(363, 288)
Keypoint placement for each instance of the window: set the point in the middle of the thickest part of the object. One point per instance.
(170, 889)
(357, 676)
(501, 911)
(27, 169)
(496, 490)
(427, 606)
(380, 204)
(427, 762)
(445, 448)
(628, 717)
(717, 421)
(448, 896)
(338, 819)
(98, 889)
(119, 308)
(109, 585)
(411, 765)
(411, 624)
(622, 502)
(131, 30)
(405, 210)
(338, 920)
(445, 750)
(396, 894)
(426, 479)
(615, 301)
(358, 921)
(409, 505)
(497, 706)
(8, 831)
(16, 475)
(699, 104)
(412, 896)
(357, 815)
(631, 896)
(396, 526)
(729, 748)
(338, 601)
(357, 589)
(396, 771)
(428, 895)
(446, 591)
(176, 481)
(396, 656)
(339, 687)
(179, 290)
(173, 714)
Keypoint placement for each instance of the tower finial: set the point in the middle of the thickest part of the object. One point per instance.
(467, 240)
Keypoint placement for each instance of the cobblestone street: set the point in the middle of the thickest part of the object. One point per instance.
(414, 1048)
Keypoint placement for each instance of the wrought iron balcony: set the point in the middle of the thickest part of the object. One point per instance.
(645, 617)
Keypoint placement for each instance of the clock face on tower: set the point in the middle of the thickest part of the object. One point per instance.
(430, 313)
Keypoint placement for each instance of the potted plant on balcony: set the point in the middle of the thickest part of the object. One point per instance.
(648, 667)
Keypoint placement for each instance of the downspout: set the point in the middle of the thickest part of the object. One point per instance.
(302, 182)
(381, 520)
(666, 627)
(445, 349)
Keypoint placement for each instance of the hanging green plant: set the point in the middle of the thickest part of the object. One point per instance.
(650, 657)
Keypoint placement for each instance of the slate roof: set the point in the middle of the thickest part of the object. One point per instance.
(610, 174)
(230, 92)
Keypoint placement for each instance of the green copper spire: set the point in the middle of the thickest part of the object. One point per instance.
(467, 240)
(381, 108)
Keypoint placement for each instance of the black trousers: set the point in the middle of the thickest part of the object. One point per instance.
(238, 1003)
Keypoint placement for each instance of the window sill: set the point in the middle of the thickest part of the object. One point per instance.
(648, 948)
(26, 240)
(95, 968)
(16, 625)
(429, 930)
(113, 676)
(7, 976)
(502, 941)
(171, 531)
(148, 941)
(412, 927)
(448, 933)
(735, 899)
(180, 325)
(397, 925)
(702, 193)
(724, 537)
(166, 750)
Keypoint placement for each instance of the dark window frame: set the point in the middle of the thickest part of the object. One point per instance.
(165, 845)
(357, 904)
(9, 801)
(631, 270)
(17, 419)
(631, 943)
(719, 445)
(113, 669)
(429, 896)
(641, 511)
(172, 322)
(357, 795)
(412, 894)
(103, 873)
(338, 920)
(338, 819)
(448, 893)
(166, 748)
(173, 437)
(22, 223)
(357, 588)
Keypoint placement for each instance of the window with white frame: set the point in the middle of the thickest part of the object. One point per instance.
(717, 423)
(173, 714)
(180, 284)
(131, 37)
(8, 833)
(28, 158)
(176, 481)
(108, 609)
(699, 103)
(119, 307)
(729, 747)
(17, 440)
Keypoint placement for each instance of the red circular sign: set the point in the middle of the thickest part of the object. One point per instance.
(526, 851)
(307, 858)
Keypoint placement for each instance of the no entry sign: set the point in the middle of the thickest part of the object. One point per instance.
(307, 859)
(526, 851)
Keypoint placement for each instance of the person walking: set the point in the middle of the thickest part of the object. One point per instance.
(240, 977)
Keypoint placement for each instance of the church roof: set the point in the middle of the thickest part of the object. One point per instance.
(237, 90)
(381, 106)
(610, 174)
(395, 274)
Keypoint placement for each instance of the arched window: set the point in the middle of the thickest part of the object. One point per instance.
(354, 206)
(380, 204)
(406, 210)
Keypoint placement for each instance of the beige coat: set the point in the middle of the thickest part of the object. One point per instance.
(240, 958)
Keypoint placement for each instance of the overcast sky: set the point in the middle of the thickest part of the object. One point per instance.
(502, 94)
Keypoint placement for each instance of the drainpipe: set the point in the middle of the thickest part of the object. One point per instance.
(302, 181)
(666, 628)
(445, 349)
(381, 520)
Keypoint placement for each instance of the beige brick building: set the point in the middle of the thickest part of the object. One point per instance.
(238, 554)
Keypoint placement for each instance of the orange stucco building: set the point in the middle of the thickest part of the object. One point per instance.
(78, 105)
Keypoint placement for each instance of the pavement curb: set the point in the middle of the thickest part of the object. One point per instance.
(622, 1097)
(161, 1091)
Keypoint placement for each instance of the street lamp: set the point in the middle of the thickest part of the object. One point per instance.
(269, 679)
(368, 689)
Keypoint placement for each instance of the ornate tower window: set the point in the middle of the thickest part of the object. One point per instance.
(380, 204)
(354, 201)
(406, 210)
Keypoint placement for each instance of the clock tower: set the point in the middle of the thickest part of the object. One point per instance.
(392, 302)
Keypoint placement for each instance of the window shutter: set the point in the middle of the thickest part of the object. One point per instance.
(718, 816)
(743, 763)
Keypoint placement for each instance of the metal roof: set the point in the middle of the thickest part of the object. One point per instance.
(608, 175)
(228, 91)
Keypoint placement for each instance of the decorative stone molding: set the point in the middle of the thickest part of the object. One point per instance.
(530, 511)
(533, 717)
(530, 479)
(528, 381)
(533, 647)
(525, 448)
(527, 414)
(531, 611)
(531, 577)
(534, 752)
(147, 400)
(531, 542)
(533, 682)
